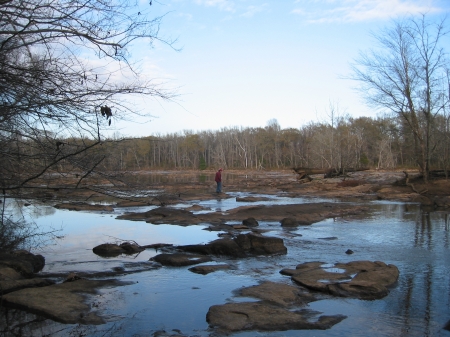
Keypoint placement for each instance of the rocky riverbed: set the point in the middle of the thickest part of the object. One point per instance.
(247, 232)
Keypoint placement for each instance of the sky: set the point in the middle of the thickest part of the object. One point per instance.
(241, 63)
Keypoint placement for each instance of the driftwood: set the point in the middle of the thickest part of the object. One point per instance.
(410, 184)
(305, 172)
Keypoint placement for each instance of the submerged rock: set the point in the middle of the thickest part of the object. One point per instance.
(179, 260)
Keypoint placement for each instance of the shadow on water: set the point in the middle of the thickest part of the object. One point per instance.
(415, 240)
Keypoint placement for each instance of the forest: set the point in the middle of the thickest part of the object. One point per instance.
(340, 142)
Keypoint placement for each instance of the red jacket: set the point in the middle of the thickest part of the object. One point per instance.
(218, 177)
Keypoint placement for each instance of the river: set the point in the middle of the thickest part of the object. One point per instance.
(168, 298)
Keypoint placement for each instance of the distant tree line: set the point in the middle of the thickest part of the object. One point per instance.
(341, 142)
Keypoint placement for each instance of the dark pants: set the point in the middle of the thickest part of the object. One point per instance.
(219, 187)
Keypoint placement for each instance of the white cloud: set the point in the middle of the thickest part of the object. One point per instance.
(318, 11)
(252, 10)
(224, 5)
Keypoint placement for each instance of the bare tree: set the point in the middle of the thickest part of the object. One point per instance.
(54, 103)
(65, 74)
(405, 75)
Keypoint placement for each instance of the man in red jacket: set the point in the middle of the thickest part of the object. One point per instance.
(218, 180)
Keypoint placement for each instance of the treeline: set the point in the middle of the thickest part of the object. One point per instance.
(343, 142)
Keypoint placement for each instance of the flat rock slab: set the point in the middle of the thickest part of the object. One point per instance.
(251, 199)
(365, 280)
(209, 268)
(62, 302)
(278, 293)
(15, 285)
(232, 317)
(303, 213)
(179, 260)
(241, 246)
(81, 206)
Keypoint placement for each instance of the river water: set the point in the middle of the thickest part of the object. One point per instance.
(168, 298)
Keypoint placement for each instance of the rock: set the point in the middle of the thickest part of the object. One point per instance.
(251, 199)
(359, 279)
(278, 293)
(330, 238)
(219, 247)
(289, 222)
(349, 252)
(195, 208)
(232, 317)
(163, 333)
(208, 268)
(108, 250)
(72, 277)
(112, 249)
(257, 244)
(15, 285)
(23, 262)
(442, 201)
(82, 206)
(129, 203)
(305, 214)
(179, 260)
(250, 222)
(60, 302)
(241, 246)
(162, 215)
(240, 227)
(157, 246)
(8, 274)
(423, 200)
(131, 248)
(447, 326)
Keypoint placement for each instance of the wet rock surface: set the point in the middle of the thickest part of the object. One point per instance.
(23, 262)
(180, 260)
(112, 249)
(209, 268)
(81, 206)
(241, 246)
(359, 279)
(232, 317)
(303, 214)
(62, 302)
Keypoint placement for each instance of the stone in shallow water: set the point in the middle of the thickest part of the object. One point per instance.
(365, 280)
(179, 260)
(62, 302)
(260, 316)
(208, 268)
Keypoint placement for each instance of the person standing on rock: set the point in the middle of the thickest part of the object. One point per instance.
(218, 180)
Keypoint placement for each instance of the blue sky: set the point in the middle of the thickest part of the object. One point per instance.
(245, 62)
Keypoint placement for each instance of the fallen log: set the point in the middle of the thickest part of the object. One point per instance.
(305, 172)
